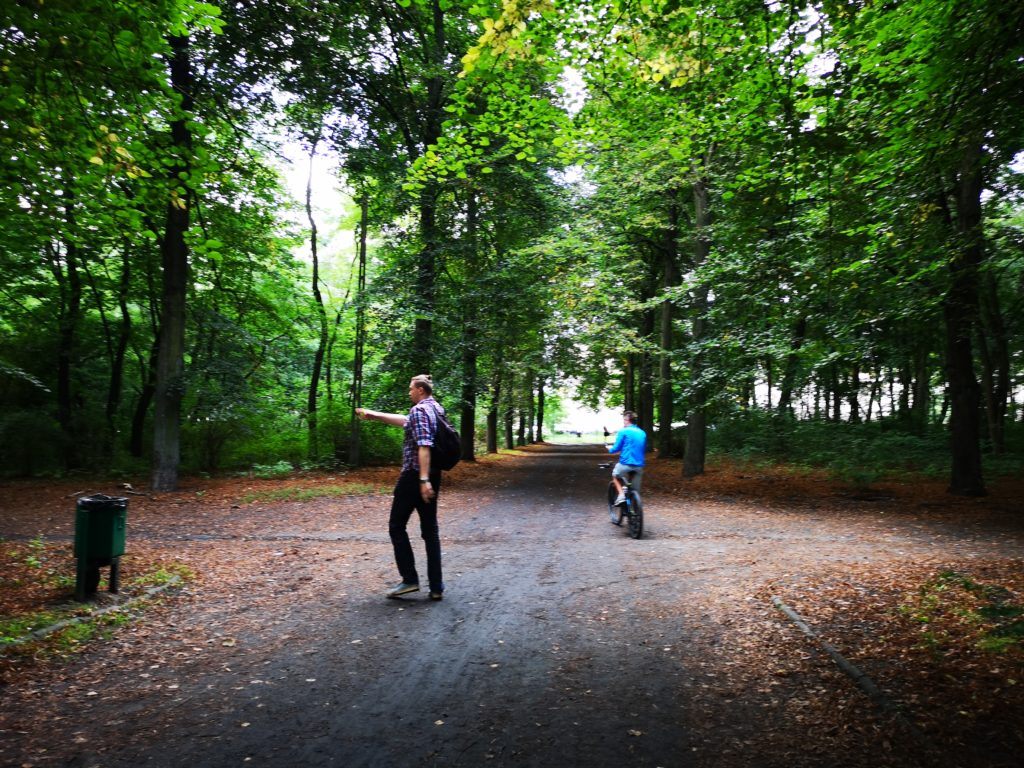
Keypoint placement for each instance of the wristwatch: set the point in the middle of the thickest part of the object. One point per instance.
(424, 479)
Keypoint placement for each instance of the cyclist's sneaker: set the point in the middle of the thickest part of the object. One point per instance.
(616, 518)
(621, 499)
(402, 589)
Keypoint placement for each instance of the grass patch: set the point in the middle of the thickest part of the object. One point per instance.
(315, 492)
(165, 575)
(956, 611)
(38, 583)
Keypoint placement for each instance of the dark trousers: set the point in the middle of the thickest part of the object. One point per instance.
(407, 498)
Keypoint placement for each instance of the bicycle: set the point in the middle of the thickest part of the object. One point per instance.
(631, 509)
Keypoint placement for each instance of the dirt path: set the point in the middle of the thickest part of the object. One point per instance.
(560, 641)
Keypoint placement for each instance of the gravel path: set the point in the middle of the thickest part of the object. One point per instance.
(560, 640)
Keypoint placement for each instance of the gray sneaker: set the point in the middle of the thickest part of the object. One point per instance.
(402, 589)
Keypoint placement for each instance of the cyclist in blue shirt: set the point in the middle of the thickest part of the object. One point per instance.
(630, 444)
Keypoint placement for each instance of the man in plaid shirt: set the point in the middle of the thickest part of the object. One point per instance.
(417, 488)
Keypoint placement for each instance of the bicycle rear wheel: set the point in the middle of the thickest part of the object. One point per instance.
(614, 512)
(636, 514)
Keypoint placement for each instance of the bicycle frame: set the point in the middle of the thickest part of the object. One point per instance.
(631, 509)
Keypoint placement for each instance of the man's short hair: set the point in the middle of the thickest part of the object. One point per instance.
(630, 417)
(424, 382)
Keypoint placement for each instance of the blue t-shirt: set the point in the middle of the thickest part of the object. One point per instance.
(630, 441)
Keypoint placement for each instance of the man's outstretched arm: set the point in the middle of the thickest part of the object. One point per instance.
(394, 419)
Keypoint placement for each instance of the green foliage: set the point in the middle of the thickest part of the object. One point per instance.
(269, 471)
(782, 186)
(858, 453)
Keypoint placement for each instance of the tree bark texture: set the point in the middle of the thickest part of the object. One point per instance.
(960, 310)
(170, 373)
(313, 444)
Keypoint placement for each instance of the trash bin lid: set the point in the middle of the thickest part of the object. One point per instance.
(102, 501)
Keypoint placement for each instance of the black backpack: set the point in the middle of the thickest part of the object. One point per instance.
(447, 448)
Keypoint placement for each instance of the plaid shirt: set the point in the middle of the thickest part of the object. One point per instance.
(420, 426)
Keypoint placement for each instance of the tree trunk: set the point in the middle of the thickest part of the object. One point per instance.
(510, 391)
(960, 309)
(645, 410)
(696, 423)
(313, 443)
(115, 387)
(355, 430)
(531, 409)
(922, 390)
(629, 384)
(70, 284)
(492, 411)
(696, 426)
(994, 346)
(837, 407)
(467, 425)
(170, 373)
(792, 366)
(540, 410)
(853, 394)
(432, 119)
(669, 279)
(426, 277)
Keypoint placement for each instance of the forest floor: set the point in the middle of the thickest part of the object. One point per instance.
(559, 641)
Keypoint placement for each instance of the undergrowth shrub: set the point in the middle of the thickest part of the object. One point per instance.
(857, 453)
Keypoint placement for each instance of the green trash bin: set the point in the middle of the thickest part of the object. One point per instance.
(100, 525)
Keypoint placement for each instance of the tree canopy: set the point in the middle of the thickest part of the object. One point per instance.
(712, 214)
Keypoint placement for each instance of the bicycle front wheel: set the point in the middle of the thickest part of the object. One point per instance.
(614, 512)
(636, 515)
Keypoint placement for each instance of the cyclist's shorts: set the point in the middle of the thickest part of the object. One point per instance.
(621, 470)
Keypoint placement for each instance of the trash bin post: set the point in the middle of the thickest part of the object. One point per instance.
(100, 523)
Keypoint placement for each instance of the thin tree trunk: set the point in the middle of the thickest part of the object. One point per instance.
(669, 279)
(792, 365)
(994, 346)
(355, 456)
(115, 387)
(540, 410)
(170, 373)
(922, 390)
(646, 404)
(467, 426)
(313, 441)
(853, 394)
(492, 411)
(531, 410)
(70, 287)
(510, 411)
(629, 384)
(696, 427)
